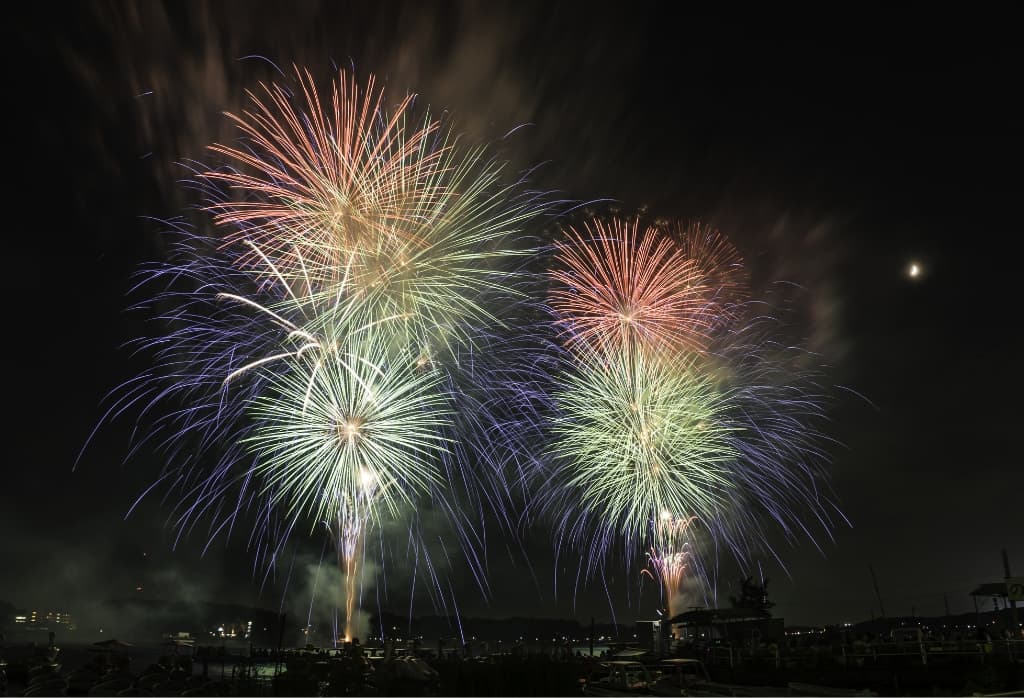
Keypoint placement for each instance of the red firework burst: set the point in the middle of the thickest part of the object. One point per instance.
(318, 181)
(720, 266)
(620, 288)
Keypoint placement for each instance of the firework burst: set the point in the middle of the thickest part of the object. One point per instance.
(620, 288)
(674, 398)
(353, 201)
(324, 181)
(719, 266)
(323, 356)
(348, 422)
(636, 435)
(345, 432)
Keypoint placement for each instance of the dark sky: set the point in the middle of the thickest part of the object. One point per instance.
(833, 150)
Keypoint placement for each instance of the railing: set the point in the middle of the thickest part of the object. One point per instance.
(1012, 650)
(733, 656)
(922, 652)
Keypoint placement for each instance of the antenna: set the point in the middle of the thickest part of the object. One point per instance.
(878, 594)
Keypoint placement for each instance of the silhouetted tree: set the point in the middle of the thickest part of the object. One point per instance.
(753, 597)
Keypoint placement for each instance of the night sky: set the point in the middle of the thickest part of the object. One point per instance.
(835, 151)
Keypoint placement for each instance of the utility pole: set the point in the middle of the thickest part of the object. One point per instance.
(1013, 604)
(877, 593)
(591, 636)
(280, 643)
(945, 600)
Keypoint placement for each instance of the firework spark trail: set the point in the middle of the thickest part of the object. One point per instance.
(778, 425)
(669, 556)
(353, 511)
(182, 408)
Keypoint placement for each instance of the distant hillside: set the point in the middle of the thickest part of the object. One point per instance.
(151, 619)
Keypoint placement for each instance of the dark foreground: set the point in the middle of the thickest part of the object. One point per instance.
(127, 670)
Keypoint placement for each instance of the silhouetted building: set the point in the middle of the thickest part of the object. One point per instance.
(648, 635)
(46, 620)
(738, 626)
